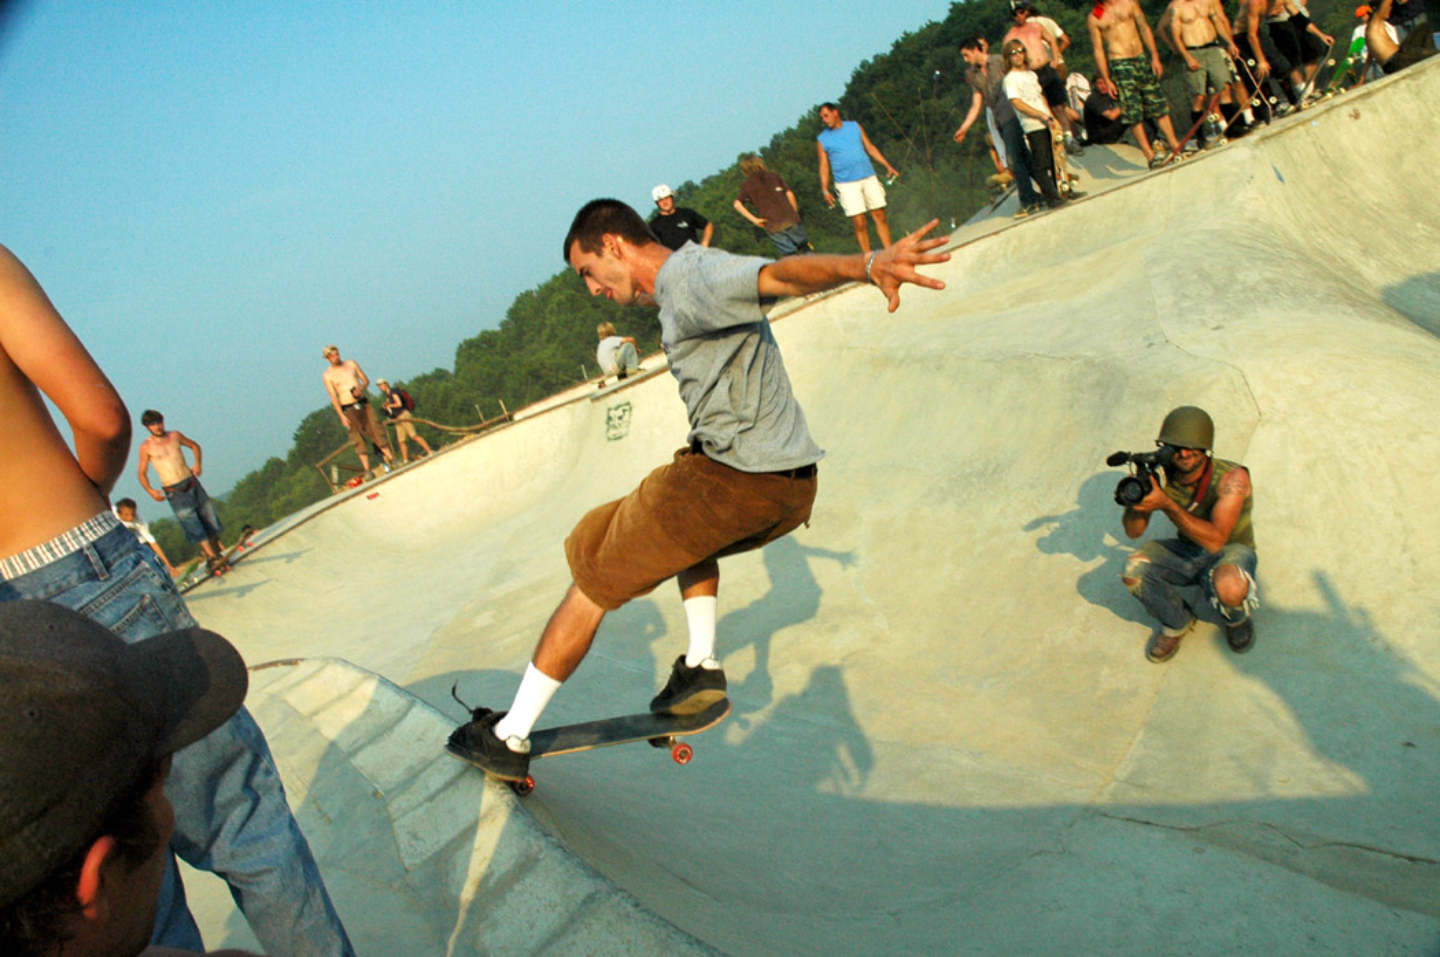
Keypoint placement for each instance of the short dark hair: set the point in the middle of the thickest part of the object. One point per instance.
(125, 503)
(150, 417)
(828, 106)
(605, 217)
(973, 43)
(35, 923)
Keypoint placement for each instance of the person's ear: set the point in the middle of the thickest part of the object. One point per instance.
(92, 878)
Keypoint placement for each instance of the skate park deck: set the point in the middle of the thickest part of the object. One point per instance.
(945, 737)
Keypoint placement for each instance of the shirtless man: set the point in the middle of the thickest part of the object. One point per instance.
(1200, 32)
(181, 484)
(345, 384)
(1392, 56)
(1120, 37)
(1043, 52)
(61, 543)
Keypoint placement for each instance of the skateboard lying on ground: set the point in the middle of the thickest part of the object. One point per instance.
(661, 730)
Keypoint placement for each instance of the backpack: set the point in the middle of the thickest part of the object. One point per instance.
(405, 400)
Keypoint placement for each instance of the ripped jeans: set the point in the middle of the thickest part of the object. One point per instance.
(1163, 569)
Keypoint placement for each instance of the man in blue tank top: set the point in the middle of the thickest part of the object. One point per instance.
(842, 147)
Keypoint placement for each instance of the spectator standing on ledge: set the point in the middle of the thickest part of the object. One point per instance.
(776, 210)
(1044, 48)
(842, 147)
(397, 406)
(1026, 98)
(675, 225)
(165, 450)
(1120, 37)
(986, 75)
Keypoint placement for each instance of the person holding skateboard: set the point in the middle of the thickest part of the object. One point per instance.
(1042, 129)
(746, 476)
(180, 486)
(1208, 500)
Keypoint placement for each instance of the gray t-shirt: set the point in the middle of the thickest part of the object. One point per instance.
(991, 87)
(727, 364)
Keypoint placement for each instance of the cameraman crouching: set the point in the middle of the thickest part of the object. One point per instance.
(1208, 500)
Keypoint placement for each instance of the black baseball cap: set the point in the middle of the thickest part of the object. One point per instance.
(83, 715)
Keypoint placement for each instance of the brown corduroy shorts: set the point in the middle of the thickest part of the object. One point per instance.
(681, 514)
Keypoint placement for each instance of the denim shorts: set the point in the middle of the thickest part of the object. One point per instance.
(193, 510)
(231, 814)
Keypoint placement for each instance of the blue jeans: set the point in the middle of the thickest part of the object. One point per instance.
(193, 510)
(1022, 166)
(1163, 569)
(231, 817)
(792, 240)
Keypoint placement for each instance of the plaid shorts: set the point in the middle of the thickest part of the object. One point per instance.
(1140, 95)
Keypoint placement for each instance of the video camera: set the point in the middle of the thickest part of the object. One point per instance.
(1133, 488)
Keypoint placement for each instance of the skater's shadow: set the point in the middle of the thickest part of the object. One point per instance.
(793, 598)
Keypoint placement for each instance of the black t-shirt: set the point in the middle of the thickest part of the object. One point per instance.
(680, 227)
(1098, 128)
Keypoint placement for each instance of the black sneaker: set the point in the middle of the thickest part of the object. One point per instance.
(475, 741)
(1241, 637)
(690, 690)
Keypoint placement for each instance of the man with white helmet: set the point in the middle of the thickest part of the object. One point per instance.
(675, 225)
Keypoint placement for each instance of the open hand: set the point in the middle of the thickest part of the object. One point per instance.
(895, 265)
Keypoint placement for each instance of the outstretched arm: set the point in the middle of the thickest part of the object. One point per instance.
(977, 102)
(44, 349)
(889, 269)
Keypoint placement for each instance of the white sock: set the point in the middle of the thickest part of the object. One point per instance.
(700, 616)
(1249, 116)
(536, 690)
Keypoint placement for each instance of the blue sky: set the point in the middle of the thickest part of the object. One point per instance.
(212, 191)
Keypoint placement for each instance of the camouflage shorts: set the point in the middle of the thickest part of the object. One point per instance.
(1140, 96)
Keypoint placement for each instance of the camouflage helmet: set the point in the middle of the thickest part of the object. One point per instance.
(1188, 427)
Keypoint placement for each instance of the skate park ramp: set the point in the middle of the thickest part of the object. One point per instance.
(945, 738)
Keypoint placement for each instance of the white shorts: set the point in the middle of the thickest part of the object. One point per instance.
(861, 196)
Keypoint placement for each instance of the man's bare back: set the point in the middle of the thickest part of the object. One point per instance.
(45, 487)
(1117, 24)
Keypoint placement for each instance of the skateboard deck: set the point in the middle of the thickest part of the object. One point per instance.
(660, 730)
(223, 565)
(1062, 163)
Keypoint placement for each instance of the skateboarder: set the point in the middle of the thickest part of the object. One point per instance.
(1208, 500)
(745, 478)
(180, 484)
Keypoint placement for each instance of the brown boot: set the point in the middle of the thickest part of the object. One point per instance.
(1162, 646)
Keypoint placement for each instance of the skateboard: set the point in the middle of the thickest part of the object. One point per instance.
(660, 730)
(1063, 184)
(1210, 107)
(1351, 61)
(219, 567)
